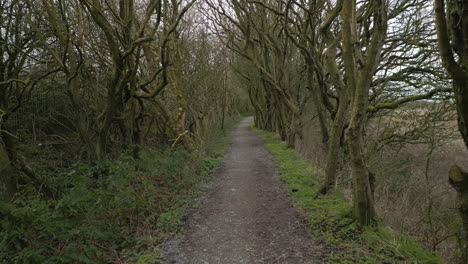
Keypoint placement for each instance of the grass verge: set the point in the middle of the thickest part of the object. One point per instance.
(116, 211)
(330, 217)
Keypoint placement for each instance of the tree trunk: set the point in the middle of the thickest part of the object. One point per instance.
(363, 200)
(8, 175)
(223, 115)
(334, 143)
(459, 181)
(17, 167)
(359, 82)
(457, 70)
(461, 99)
(101, 144)
(456, 39)
(318, 105)
(293, 128)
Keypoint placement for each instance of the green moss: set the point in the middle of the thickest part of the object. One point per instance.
(330, 217)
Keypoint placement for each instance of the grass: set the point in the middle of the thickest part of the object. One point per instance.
(216, 144)
(115, 211)
(330, 217)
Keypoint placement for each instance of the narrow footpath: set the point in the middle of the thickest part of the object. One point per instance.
(245, 217)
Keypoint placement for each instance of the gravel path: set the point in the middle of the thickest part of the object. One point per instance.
(245, 216)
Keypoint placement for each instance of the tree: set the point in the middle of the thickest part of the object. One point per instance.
(133, 43)
(358, 81)
(452, 34)
(252, 32)
(19, 75)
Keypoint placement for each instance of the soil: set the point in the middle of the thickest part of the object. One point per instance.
(245, 217)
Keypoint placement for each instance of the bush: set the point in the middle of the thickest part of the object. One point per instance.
(109, 212)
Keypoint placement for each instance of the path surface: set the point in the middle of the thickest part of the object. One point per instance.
(246, 216)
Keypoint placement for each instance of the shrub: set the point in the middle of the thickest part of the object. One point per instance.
(112, 211)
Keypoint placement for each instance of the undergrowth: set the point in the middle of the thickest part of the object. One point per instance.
(116, 211)
(330, 217)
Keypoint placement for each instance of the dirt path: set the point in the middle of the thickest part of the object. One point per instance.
(246, 216)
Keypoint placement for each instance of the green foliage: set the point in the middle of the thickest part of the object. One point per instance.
(116, 210)
(330, 217)
(150, 258)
